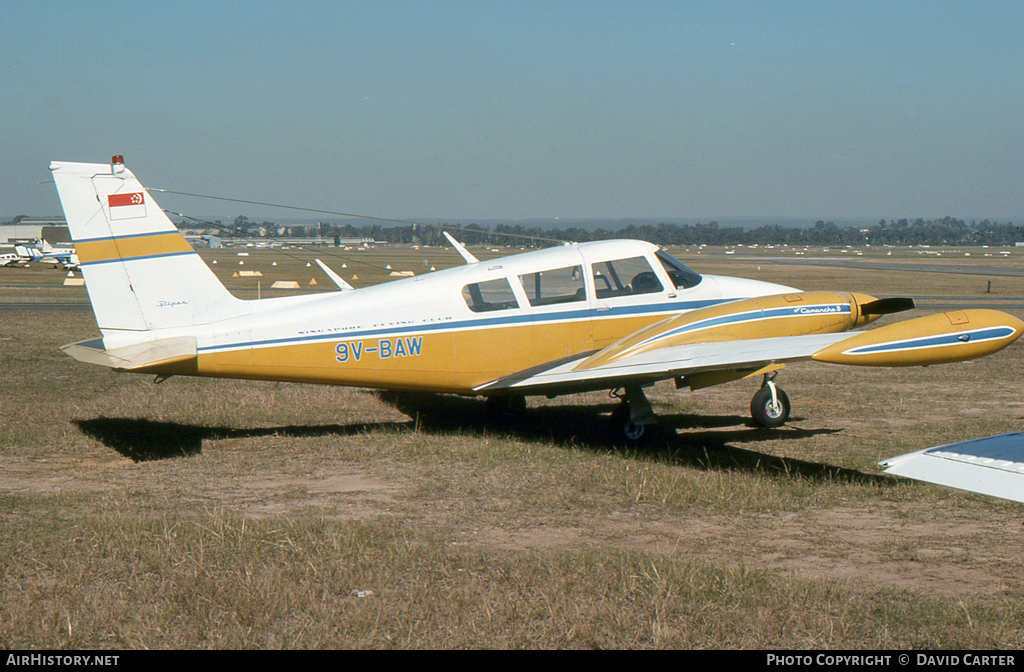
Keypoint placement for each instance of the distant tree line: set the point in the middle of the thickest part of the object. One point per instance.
(944, 231)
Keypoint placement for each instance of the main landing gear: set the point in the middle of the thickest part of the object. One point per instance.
(634, 415)
(770, 405)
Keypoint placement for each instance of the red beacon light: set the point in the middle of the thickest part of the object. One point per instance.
(117, 160)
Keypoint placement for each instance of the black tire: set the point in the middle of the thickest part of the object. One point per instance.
(762, 411)
(629, 432)
(633, 432)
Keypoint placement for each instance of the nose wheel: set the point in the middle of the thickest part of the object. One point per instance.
(770, 405)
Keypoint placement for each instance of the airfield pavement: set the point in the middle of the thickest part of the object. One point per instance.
(227, 514)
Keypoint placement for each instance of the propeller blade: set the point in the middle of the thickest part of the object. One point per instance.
(887, 306)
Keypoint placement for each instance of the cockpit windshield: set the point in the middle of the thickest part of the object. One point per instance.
(683, 277)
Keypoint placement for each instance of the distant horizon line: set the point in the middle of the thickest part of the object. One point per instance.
(558, 221)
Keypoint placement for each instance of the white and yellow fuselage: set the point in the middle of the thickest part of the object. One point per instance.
(421, 334)
(560, 319)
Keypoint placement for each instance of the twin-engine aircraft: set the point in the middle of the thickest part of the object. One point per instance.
(615, 315)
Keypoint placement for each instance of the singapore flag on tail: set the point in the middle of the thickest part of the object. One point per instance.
(126, 206)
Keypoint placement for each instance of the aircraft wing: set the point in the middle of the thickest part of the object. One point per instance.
(993, 466)
(693, 361)
(734, 340)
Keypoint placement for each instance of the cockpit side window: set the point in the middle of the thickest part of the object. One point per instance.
(482, 297)
(625, 277)
(559, 285)
(683, 277)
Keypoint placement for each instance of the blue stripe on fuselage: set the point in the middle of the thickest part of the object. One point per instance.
(478, 323)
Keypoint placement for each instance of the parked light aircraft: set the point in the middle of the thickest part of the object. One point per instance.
(614, 315)
(10, 258)
(62, 255)
(45, 253)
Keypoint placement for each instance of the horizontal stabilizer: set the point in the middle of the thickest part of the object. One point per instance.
(136, 356)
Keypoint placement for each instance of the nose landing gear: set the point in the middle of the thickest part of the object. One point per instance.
(770, 405)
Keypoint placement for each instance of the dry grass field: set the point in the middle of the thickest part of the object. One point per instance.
(232, 514)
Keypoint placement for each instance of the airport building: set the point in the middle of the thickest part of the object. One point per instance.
(53, 230)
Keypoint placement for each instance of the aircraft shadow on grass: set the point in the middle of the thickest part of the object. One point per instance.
(145, 440)
(712, 446)
(589, 427)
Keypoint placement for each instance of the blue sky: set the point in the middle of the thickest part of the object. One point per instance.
(525, 109)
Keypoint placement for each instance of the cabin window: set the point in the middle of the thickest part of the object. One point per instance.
(682, 276)
(625, 277)
(559, 285)
(482, 297)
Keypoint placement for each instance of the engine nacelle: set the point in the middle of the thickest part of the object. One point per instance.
(935, 339)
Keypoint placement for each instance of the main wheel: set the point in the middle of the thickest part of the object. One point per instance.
(766, 413)
(634, 433)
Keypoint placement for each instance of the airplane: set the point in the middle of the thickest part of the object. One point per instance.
(992, 465)
(58, 255)
(45, 253)
(10, 258)
(611, 315)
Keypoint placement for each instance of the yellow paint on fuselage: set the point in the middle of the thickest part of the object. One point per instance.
(483, 355)
(319, 363)
(460, 360)
(463, 359)
(439, 361)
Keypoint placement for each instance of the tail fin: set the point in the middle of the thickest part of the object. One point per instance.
(140, 271)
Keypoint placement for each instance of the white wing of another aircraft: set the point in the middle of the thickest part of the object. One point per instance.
(993, 465)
